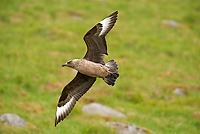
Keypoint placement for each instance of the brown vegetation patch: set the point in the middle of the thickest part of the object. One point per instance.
(121, 109)
(87, 99)
(3, 24)
(196, 87)
(183, 87)
(148, 131)
(55, 33)
(53, 86)
(44, 17)
(1, 105)
(107, 118)
(100, 92)
(31, 107)
(167, 74)
(25, 6)
(196, 115)
(23, 94)
(59, 33)
(16, 18)
(61, 14)
(63, 71)
(31, 126)
(56, 54)
(121, 60)
(131, 114)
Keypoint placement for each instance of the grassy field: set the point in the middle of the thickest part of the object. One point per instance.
(38, 36)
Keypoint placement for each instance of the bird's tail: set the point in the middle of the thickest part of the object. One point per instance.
(113, 72)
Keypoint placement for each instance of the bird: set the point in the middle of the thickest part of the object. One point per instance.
(89, 68)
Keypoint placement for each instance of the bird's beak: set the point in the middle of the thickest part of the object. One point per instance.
(64, 65)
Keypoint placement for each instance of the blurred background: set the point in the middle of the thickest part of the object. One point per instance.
(155, 43)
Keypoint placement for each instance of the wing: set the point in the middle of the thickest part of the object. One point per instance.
(95, 39)
(71, 93)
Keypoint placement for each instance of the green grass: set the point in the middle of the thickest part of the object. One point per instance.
(37, 37)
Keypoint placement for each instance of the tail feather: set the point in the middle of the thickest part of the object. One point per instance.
(112, 64)
(113, 67)
(109, 81)
(115, 75)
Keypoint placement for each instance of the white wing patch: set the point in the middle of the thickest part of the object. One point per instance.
(63, 109)
(105, 24)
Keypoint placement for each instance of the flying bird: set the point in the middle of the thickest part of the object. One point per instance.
(91, 66)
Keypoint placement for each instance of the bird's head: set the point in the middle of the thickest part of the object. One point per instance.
(71, 63)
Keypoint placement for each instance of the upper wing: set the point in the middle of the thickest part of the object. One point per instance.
(71, 93)
(95, 39)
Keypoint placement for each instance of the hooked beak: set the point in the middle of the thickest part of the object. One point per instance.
(64, 65)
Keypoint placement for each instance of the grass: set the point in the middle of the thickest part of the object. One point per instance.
(37, 37)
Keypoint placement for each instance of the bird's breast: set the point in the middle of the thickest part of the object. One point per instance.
(92, 69)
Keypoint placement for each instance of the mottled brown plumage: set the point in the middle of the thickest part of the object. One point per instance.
(89, 68)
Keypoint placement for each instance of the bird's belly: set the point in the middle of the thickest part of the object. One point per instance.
(93, 69)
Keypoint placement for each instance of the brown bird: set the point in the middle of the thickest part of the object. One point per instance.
(90, 67)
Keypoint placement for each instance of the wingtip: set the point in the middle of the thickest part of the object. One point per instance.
(56, 122)
(63, 111)
(114, 13)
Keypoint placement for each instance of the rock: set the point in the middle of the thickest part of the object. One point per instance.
(171, 23)
(125, 128)
(178, 91)
(76, 16)
(13, 120)
(96, 108)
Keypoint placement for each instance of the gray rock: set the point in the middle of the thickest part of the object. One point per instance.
(76, 16)
(96, 108)
(171, 23)
(178, 91)
(13, 120)
(125, 128)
